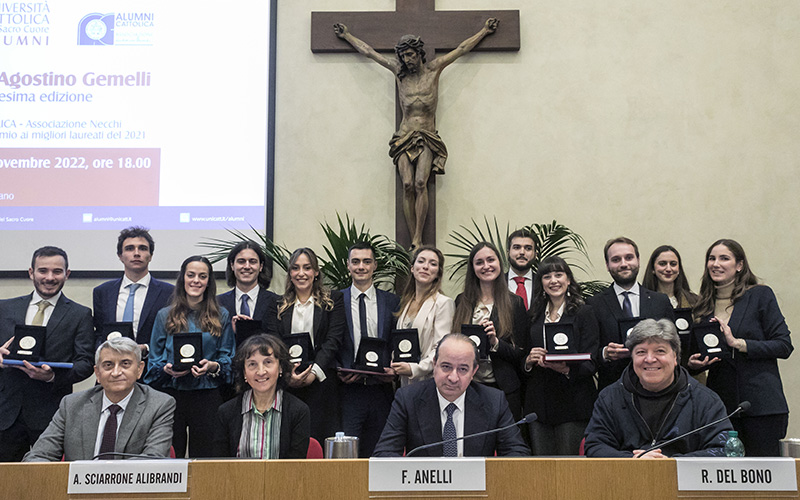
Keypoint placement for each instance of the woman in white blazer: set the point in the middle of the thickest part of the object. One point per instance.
(424, 307)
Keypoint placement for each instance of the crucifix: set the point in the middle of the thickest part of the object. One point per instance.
(416, 148)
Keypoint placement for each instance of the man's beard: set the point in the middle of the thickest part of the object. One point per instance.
(625, 282)
(520, 270)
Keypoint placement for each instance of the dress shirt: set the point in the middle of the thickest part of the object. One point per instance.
(34, 306)
(138, 299)
(458, 417)
(371, 301)
(512, 285)
(303, 321)
(104, 418)
(253, 294)
(634, 295)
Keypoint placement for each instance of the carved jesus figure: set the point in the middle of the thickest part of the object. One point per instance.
(416, 147)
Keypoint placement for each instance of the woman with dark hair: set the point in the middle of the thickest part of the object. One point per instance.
(756, 332)
(486, 301)
(423, 306)
(263, 421)
(665, 274)
(308, 306)
(196, 391)
(562, 394)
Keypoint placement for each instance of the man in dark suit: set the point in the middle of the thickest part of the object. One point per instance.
(366, 399)
(116, 416)
(136, 297)
(450, 406)
(29, 395)
(521, 247)
(248, 273)
(625, 298)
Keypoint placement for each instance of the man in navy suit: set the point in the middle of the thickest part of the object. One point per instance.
(249, 274)
(366, 399)
(136, 296)
(625, 298)
(450, 406)
(29, 395)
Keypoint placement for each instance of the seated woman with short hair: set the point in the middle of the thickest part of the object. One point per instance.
(263, 421)
(655, 400)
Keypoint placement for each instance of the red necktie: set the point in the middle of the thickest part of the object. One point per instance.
(521, 289)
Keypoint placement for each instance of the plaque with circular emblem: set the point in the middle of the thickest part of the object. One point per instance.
(682, 324)
(711, 340)
(188, 349)
(372, 356)
(27, 342)
(475, 339)
(404, 346)
(296, 351)
(113, 335)
(708, 339)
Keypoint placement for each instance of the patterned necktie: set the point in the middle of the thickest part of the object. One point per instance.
(38, 318)
(110, 431)
(449, 432)
(245, 309)
(362, 314)
(127, 314)
(521, 291)
(627, 310)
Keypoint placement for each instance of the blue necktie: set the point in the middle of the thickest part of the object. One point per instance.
(627, 310)
(245, 309)
(127, 314)
(449, 432)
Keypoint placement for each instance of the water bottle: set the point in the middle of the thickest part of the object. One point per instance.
(734, 446)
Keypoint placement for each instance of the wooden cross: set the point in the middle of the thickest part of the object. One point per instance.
(441, 31)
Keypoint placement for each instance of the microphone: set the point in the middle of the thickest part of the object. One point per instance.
(742, 408)
(530, 417)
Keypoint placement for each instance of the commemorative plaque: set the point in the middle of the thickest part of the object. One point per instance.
(187, 350)
(246, 328)
(405, 345)
(561, 343)
(372, 355)
(28, 343)
(625, 327)
(300, 350)
(118, 330)
(711, 341)
(683, 322)
(477, 334)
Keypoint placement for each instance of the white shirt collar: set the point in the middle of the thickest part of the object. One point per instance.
(459, 402)
(145, 281)
(355, 292)
(634, 289)
(124, 403)
(53, 300)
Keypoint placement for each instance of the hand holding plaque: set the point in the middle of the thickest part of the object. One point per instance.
(477, 334)
(28, 343)
(187, 350)
(562, 345)
(711, 340)
(405, 345)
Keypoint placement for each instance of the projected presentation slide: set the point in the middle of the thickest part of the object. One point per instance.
(121, 113)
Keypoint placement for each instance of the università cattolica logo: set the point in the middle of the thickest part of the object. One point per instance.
(120, 28)
(96, 29)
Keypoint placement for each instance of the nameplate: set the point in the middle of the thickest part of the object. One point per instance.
(736, 474)
(427, 474)
(128, 476)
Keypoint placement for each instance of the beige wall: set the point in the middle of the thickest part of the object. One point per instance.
(670, 121)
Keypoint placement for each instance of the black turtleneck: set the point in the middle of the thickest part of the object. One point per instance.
(654, 406)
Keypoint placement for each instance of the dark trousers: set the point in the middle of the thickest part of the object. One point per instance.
(761, 435)
(365, 409)
(17, 440)
(197, 412)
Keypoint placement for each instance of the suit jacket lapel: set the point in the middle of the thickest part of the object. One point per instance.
(348, 312)
(645, 302)
(261, 304)
(429, 417)
(111, 302)
(286, 321)
(612, 303)
(424, 313)
(474, 422)
(130, 417)
(59, 312)
(90, 418)
(153, 291)
(738, 313)
(382, 319)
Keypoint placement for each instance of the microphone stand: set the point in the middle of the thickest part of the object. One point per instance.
(531, 417)
(743, 407)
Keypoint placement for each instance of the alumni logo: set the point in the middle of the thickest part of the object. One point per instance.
(120, 28)
(96, 29)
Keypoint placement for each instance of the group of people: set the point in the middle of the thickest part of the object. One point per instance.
(638, 387)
